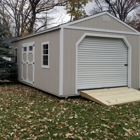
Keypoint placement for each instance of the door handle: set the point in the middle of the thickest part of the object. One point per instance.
(126, 65)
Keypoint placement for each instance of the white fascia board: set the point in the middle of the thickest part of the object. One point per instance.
(97, 15)
(100, 30)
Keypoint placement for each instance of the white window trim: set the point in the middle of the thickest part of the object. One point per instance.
(45, 66)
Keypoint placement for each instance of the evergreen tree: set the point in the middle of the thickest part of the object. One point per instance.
(8, 68)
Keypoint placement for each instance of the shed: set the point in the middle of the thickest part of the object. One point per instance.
(99, 51)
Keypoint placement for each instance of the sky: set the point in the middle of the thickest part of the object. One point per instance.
(63, 17)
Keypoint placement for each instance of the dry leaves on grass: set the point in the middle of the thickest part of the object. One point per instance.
(29, 114)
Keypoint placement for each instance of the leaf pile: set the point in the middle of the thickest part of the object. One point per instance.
(29, 114)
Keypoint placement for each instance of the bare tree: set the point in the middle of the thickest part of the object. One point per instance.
(118, 8)
(135, 21)
(28, 16)
(4, 18)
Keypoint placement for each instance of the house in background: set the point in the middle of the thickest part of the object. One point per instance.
(8, 41)
(95, 52)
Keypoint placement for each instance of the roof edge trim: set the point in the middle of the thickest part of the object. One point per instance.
(100, 30)
(97, 15)
(38, 33)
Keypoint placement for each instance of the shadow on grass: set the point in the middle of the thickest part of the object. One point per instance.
(10, 83)
(6, 82)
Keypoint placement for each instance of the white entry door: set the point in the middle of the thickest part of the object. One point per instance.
(28, 63)
(102, 62)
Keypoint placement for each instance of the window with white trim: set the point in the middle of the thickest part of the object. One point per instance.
(45, 55)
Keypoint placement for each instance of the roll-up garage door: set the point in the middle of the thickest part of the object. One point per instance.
(102, 62)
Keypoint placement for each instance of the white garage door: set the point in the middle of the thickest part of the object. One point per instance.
(102, 62)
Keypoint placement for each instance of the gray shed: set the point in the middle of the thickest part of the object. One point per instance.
(99, 51)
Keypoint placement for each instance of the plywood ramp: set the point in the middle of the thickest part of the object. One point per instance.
(112, 96)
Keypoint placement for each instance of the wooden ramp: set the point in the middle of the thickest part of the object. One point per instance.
(112, 96)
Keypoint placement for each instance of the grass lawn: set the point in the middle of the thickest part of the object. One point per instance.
(29, 114)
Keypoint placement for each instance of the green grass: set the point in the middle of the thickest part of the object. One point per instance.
(29, 114)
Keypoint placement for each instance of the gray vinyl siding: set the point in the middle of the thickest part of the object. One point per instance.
(71, 37)
(46, 79)
(97, 22)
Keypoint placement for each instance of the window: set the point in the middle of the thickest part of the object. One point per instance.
(15, 55)
(30, 48)
(45, 55)
(25, 49)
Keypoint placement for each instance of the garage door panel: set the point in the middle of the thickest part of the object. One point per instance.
(99, 76)
(101, 85)
(99, 69)
(108, 46)
(101, 63)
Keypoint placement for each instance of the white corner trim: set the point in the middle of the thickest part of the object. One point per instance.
(61, 62)
(100, 30)
(45, 66)
(97, 15)
(107, 36)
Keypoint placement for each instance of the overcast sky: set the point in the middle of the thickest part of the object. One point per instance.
(62, 17)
